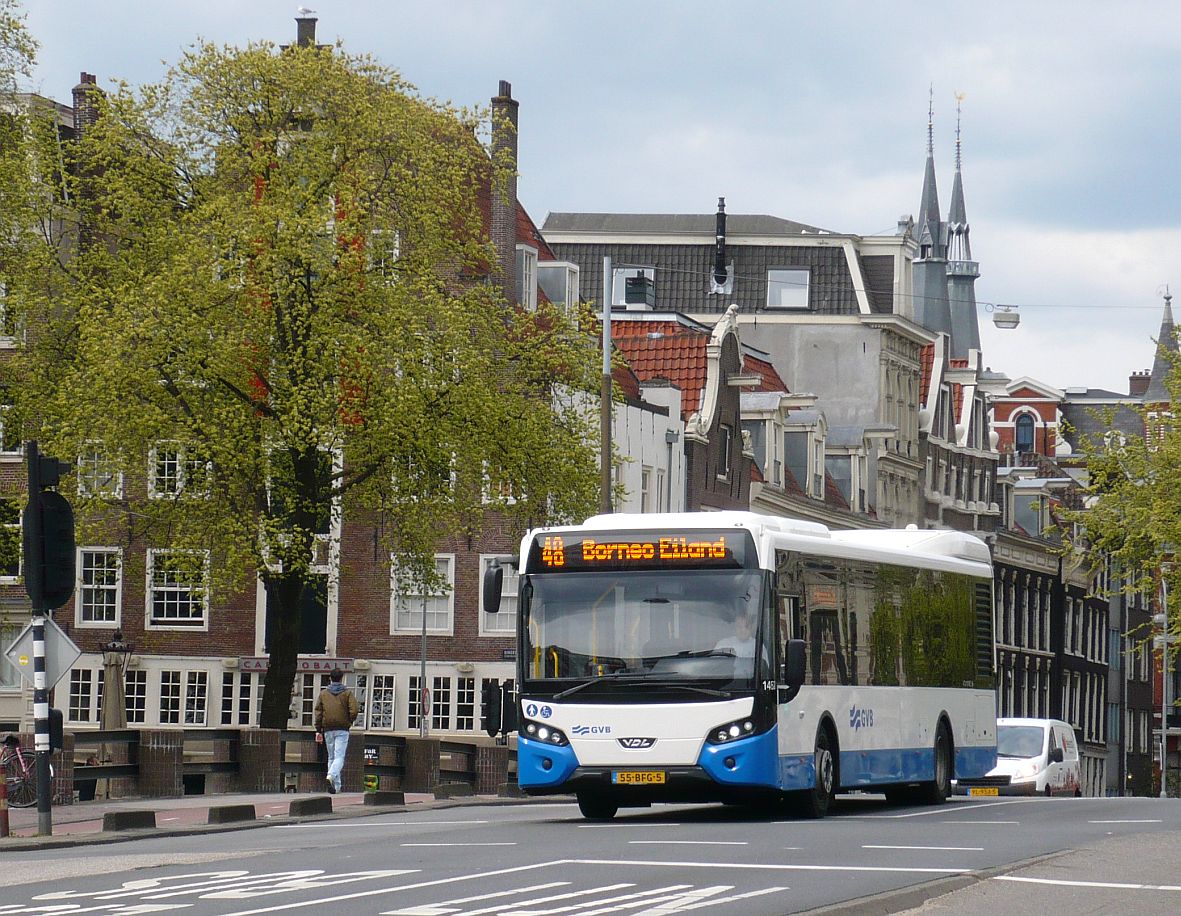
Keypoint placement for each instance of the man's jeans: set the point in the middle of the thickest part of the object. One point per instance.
(336, 740)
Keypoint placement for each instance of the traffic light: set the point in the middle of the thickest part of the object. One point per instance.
(48, 534)
(57, 731)
(490, 706)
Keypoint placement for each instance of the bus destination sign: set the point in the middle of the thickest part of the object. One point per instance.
(608, 550)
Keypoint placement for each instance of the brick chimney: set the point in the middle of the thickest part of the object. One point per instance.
(85, 107)
(1138, 383)
(305, 31)
(504, 194)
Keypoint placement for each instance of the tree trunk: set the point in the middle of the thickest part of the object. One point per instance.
(283, 596)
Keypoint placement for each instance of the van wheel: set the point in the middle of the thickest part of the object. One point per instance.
(596, 807)
(937, 791)
(1078, 793)
(815, 802)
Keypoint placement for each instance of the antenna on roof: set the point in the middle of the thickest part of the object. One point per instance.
(959, 98)
(931, 120)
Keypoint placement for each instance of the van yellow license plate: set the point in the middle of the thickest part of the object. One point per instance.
(637, 777)
(985, 790)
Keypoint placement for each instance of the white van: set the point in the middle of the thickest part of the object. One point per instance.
(1034, 757)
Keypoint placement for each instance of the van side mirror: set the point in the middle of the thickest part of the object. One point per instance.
(492, 585)
(1055, 755)
(795, 656)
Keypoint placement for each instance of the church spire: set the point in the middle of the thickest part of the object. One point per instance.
(929, 205)
(931, 308)
(962, 271)
(1166, 354)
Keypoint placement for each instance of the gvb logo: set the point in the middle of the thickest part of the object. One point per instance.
(591, 730)
(860, 718)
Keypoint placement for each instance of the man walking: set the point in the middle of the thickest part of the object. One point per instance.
(336, 708)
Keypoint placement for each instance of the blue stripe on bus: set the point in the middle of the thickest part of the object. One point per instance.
(532, 757)
(867, 768)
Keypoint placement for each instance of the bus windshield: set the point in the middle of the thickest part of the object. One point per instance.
(680, 625)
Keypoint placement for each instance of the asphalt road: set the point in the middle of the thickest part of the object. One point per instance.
(968, 856)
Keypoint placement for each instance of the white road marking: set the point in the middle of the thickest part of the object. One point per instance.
(930, 812)
(378, 824)
(1154, 821)
(1106, 884)
(499, 908)
(771, 867)
(976, 823)
(442, 907)
(931, 848)
(458, 844)
(301, 904)
(622, 901)
(613, 826)
(688, 843)
(678, 907)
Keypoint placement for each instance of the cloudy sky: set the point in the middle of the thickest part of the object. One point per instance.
(815, 112)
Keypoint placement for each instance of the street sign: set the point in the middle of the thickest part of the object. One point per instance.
(60, 653)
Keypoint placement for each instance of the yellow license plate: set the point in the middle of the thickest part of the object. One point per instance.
(984, 791)
(637, 777)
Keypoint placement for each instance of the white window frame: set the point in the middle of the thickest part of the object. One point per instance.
(81, 587)
(91, 473)
(410, 604)
(788, 287)
(135, 695)
(526, 290)
(504, 622)
(184, 465)
(151, 587)
(195, 711)
(175, 682)
(383, 702)
(9, 449)
(17, 527)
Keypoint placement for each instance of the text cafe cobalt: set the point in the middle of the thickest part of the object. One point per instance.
(302, 665)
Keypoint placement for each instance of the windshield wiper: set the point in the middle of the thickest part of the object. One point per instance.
(613, 676)
(650, 680)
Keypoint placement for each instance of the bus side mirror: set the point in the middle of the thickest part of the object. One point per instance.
(793, 666)
(493, 583)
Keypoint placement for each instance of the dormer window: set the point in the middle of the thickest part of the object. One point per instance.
(787, 288)
(527, 277)
(559, 281)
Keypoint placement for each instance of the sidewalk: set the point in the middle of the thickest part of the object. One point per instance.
(82, 822)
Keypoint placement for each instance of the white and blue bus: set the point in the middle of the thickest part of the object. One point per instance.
(733, 657)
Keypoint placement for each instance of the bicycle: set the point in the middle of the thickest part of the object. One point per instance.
(20, 773)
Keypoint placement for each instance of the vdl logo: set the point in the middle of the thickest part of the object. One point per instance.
(860, 718)
(591, 730)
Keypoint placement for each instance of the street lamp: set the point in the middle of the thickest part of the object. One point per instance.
(1162, 620)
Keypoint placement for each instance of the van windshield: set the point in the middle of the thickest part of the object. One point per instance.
(1020, 740)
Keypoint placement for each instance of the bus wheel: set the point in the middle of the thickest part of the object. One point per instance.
(596, 807)
(937, 791)
(815, 802)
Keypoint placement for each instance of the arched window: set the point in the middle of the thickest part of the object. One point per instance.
(1024, 434)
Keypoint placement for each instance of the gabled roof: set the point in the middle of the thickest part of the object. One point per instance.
(1018, 386)
(761, 366)
(675, 224)
(671, 348)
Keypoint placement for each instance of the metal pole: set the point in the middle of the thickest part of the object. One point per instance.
(1164, 691)
(605, 396)
(41, 739)
(422, 723)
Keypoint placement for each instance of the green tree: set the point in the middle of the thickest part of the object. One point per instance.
(1131, 517)
(285, 304)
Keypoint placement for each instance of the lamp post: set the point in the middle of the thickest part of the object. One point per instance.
(1163, 620)
(116, 655)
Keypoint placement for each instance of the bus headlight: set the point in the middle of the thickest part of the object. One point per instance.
(731, 731)
(546, 734)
